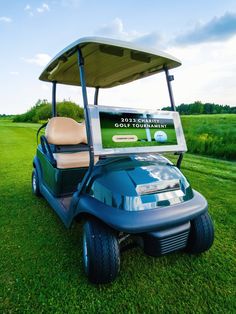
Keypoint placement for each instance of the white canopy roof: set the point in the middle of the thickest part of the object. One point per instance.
(107, 63)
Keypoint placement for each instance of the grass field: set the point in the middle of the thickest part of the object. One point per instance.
(41, 261)
(213, 134)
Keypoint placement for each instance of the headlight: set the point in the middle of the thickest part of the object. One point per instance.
(158, 187)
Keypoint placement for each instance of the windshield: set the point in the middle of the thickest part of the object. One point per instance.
(146, 93)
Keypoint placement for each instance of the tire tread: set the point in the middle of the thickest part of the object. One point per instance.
(104, 252)
(201, 234)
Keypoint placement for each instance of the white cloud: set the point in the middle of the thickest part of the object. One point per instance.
(116, 30)
(217, 29)
(40, 59)
(207, 73)
(5, 19)
(15, 73)
(70, 3)
(44, 8)
(27, 7)
(29, 10)
(152, 39)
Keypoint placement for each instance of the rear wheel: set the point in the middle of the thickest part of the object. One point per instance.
(101, 253)
(201, 234)
(35, 183)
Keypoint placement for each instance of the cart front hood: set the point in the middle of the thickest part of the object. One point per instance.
(139, 183)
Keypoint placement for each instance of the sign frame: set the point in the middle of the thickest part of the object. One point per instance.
(99, 150)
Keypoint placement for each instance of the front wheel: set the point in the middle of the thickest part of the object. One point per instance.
(35, 183)
(201, 235)
(101, 253)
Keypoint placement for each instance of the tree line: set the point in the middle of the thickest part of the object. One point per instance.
(42, 111)
(202, 108)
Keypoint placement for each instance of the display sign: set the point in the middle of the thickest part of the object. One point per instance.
(119, 131)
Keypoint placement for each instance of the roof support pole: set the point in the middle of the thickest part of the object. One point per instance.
(87, 123)
(96, 96)
(54, 89)
(170, 78)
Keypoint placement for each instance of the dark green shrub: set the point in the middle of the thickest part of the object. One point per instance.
(42, 111)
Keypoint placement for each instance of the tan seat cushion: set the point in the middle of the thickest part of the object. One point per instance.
(72, 160)
(65, 131)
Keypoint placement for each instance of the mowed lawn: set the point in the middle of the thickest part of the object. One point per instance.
(41, 262)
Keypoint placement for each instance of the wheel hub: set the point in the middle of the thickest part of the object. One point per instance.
(34, 182)
(85, 253)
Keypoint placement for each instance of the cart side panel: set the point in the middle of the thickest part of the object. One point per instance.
(60, 182)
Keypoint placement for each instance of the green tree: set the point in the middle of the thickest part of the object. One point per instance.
(42, 111)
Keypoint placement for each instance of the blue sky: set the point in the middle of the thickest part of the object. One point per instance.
(202, 34)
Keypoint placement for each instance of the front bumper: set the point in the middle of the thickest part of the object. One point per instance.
(145, 220)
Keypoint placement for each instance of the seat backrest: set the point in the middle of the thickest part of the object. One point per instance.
(65, 131)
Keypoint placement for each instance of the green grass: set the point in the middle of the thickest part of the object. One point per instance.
(212, 135)
(41, 262)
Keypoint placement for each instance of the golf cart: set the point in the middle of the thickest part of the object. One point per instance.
(108, 171)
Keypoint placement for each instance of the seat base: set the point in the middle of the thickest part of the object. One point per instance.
(72, 160)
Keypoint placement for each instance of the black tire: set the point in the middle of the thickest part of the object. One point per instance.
(35, 183)
(101, 253)
(201, 235)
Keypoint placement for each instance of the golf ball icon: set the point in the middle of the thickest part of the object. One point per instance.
(160, 136)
